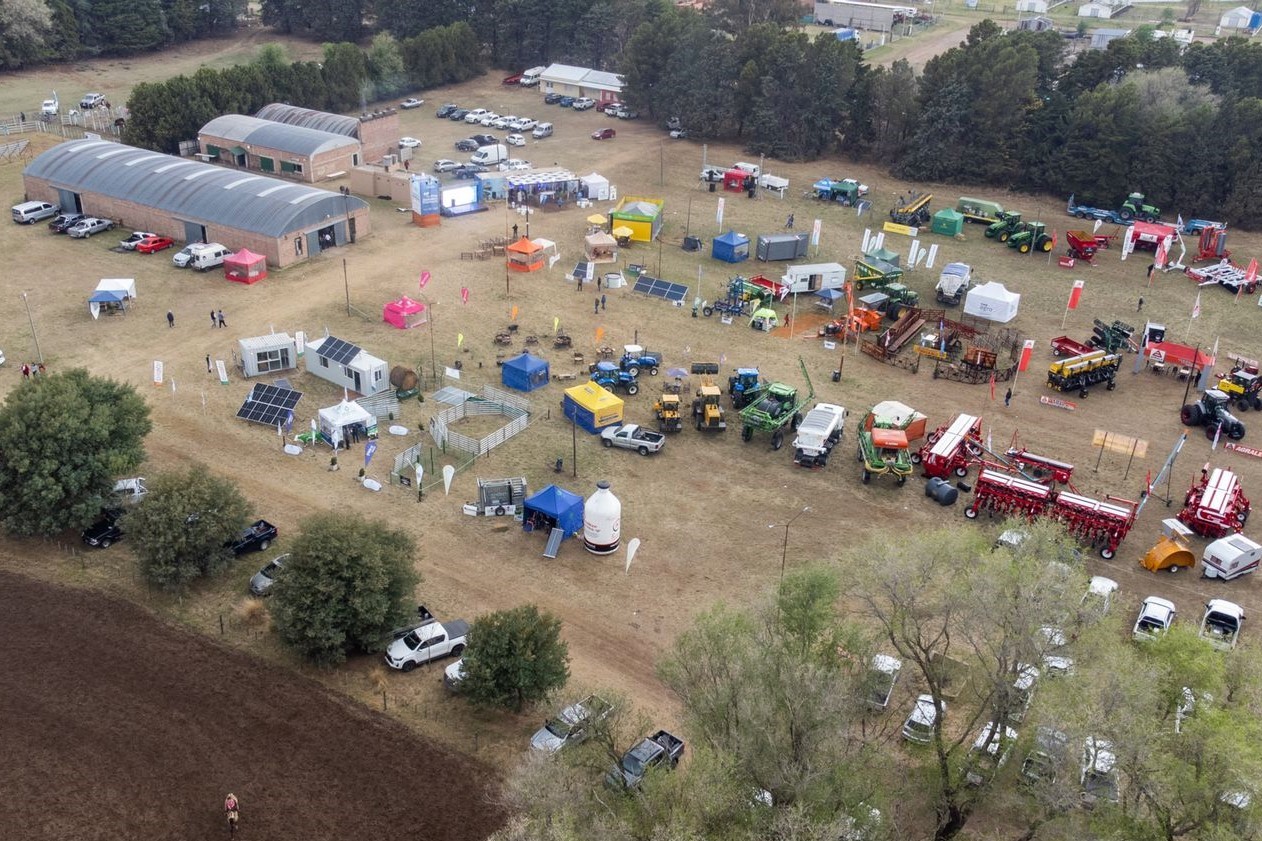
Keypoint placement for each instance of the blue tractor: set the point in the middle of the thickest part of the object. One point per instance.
(610, 376)
(636, 359)
(745, 387)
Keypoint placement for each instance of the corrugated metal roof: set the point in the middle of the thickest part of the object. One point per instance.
(292, 115)
(189, 190)
(296, 140)
(599, 78)
(269, 342)
(564, 73)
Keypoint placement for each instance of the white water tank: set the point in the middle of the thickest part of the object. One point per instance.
(602, 521)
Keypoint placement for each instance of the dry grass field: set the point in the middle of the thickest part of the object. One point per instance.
(709, 510)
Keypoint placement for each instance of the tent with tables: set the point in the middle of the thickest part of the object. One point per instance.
(524, 256)
(404, 313)
(600, 247)
(245, 267)
(542, 187)
(551, 508)
(336, 421)
(112, 294)
(525, 372)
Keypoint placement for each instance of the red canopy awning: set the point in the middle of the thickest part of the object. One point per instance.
(1177, 354)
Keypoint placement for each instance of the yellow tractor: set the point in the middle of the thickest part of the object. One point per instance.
(667, 408)
(1242, 387)
(707, 408)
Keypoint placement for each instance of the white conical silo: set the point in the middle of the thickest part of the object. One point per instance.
(602, 521)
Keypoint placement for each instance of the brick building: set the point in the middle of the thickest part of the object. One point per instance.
(304, 154)
(377, 131)
(192, 201)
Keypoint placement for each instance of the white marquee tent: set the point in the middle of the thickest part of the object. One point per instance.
(112, 292)
(336, 420)
(597, 186)
(992, 302)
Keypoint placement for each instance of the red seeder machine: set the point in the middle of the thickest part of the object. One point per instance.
(1215, 505)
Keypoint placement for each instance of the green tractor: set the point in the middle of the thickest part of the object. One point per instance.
(901, 299)
(1135, 208)
(1032, 236)
(778, 406)
(1009, 222)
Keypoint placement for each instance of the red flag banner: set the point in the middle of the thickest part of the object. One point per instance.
(464, 294)
(1160, 259)
(1251, 273)
(992, 385)
(1027, 350)
(1075, 294)
(1054, 239)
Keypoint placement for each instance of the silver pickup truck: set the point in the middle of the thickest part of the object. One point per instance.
(633, 437)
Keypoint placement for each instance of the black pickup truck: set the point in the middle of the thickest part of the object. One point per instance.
(255, 538)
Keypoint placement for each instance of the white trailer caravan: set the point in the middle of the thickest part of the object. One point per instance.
(814, 277)
(1230, 557)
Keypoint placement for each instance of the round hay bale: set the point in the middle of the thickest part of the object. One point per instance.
(402, 378)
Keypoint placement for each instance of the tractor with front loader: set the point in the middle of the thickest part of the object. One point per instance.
(1213, 412)
(1008, 224)
(667, 408)
(779, 406)
(1032, 236)
(707, 408)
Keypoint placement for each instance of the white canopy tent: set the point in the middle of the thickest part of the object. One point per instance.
(112, 293)
(335, 421)
(597, 186)
(993, 302)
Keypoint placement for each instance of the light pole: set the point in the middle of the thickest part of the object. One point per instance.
(784, 553)
(433, 358)
(34, 337)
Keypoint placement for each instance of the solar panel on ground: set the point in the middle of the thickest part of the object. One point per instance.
(268, 404)
(658, 288)
(584, 270)
(337, 350)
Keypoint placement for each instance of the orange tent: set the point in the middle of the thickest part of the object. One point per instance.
(524, 256)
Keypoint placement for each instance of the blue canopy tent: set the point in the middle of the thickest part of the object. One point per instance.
(730, 247)
(525, 372)
(108, 300)
(828, 298)
(553, 507)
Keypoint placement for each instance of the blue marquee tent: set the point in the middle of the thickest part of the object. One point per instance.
(553, 506)
(525, 372)
(730, 247)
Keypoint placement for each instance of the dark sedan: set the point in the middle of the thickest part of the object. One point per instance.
(105, 532)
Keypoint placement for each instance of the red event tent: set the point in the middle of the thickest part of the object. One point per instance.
(245, 267)
(404, 313)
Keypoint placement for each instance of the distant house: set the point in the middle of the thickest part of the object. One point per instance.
(1241, 17)
(1100, 38)
(569, 80)
(1103, 9)
(1038, 23)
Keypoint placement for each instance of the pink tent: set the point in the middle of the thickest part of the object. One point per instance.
(245, 267)
(404, 313)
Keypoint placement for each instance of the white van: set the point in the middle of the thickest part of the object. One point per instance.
(490, 155)
(542, 130)
(208, 256)
(30, 212)
(530, 78)
(744, 166)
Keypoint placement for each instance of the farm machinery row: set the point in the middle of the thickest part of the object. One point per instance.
(1024, 236)
(707, 410)
(1135, 207)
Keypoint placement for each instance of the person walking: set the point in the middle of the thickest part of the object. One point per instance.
(170, 319)
(1007, 397)
(26, 371)
(1140, 306)
(208, 368)
(596, 307)
(212, 318)
(597, 283)
(788, 223)
(222, 323)
(1151, 268)
(602, 301)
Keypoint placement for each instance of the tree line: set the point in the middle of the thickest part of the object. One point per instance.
(161, 114)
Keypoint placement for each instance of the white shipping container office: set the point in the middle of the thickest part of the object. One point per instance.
(267, 354)
(814, 277)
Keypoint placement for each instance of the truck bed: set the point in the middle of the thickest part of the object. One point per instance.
(456, 628)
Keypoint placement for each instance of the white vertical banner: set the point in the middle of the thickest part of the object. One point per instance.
(157, 372)
(420, 474)
(933, 255)
(449, 473)
(633, 545)
(867, 239)
(913, 253)
(719, 215)
(815, 231)
(222, 371)
(879, 242)
(300, 340)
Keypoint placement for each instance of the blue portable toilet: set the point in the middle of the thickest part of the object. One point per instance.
(525, 372)
(730, 247)
(553, 507)
(847, 34)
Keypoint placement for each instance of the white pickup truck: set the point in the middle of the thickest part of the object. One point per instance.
(428, 641)
(632, 436)
(818, 433)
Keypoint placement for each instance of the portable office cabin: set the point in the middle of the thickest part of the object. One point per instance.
(730, 247)
(814, 277)
(267, 354)
(782, 246)
(346, 365)
(592, 407)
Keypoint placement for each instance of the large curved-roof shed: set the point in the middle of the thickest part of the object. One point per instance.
(292, 115)
(292, 139)
(188, 189)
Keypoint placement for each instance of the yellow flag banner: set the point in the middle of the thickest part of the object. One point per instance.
(556, 323)
(459, 339)
(514, 312)
(600, 334)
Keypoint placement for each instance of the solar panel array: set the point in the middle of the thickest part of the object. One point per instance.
(268, 404)
(584, 270)
(338, 350)
(658, 288)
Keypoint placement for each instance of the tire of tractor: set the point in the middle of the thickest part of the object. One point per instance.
(797, 420)
(915, 458)
(707, 311)
(867, 477)
(634, 371)
(652, 372)
(633, 389)
(747, 433)
(1242, 406)
(606, 442)
(822, 460)
(1191, 414)
(1236, 432)
(1023, 248)
(643, 451)
(901, 480)
(970, 512)
(1126, 213)
(777, 439)
(1107, 554)
(1045, 246)
(1003, 236)
(1210, 431)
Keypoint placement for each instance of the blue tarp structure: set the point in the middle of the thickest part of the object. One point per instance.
(108, 296)
(847, 34)
(553, 506)
(730, 247)
(525, 372)
(829, 297)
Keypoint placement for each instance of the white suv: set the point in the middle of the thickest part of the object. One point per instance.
(583, 103)
(919, 725)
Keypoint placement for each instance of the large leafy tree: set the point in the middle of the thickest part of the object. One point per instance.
(123, 27)
(64, 440)
(24, 25)
(180, 529)
(346, 583)
(514, 657)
